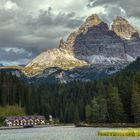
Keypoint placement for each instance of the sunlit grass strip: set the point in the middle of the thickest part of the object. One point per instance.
(127, 132)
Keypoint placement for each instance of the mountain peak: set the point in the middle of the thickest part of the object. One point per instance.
(93, 20)
(61, 44)
(93, 44)
(123, 28)
(120, 19)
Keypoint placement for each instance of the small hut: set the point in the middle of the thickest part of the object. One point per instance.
(24, 121)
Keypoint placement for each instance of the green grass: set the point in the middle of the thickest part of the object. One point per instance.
(123, 132)
(12, 111)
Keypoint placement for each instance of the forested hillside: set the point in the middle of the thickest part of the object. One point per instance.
(115, 99)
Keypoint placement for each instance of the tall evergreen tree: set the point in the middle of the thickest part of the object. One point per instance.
(97, 110)
(115, 106)
(89, 113)
(76, 116)
(135, 102)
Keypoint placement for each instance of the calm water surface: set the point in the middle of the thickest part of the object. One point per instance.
(56, 133)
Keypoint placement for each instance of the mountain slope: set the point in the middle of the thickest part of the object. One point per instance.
(63, 100)
(53, 58)
(94, 43)
(92, 52)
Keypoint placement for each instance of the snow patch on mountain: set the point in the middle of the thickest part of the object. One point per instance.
(130, 58)
(93, 43)
(99, 59)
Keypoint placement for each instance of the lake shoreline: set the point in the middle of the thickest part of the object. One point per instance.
(123, 125)
(41, 126)
(20, 127)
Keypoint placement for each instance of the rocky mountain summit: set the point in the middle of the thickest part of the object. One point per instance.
(96, 43)
(93, 43)
(123, 29)
(93, 51)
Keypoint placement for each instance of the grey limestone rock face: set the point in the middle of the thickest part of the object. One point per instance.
(94, 38)
(93, 51)
(124, 29)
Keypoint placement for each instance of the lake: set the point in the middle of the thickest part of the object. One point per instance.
(56, 133)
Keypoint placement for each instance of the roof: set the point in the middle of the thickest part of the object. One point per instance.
(12, 118)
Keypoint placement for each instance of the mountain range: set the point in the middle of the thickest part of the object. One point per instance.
(94, 51)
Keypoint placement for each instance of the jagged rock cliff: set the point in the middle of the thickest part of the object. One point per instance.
(124, 29)
(93, 45)
(53, 58)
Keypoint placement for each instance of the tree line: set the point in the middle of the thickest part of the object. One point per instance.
(111, 100)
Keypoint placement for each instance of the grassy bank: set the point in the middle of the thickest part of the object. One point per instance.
(125, 132)
(10, 111)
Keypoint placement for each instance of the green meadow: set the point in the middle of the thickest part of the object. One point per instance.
(123, 132)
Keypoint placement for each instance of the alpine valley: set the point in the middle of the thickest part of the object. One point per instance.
(92, 77)
(93, 52)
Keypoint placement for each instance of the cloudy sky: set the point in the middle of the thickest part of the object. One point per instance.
(28, 27)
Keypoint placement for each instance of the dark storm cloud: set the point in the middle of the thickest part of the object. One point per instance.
(47, 18)
(10, 56)
(32, 26)
(33, 34)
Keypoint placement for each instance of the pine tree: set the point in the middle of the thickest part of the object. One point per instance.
(115, 106)
(95, 110)
(76, 117)
(135, 102)
(103, 111)
(88, 113)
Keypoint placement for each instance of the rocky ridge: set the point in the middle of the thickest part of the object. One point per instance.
(53, 58)
(123, 29)
(93, 43)
(93, 51)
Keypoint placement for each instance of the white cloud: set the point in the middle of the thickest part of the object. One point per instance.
(135, 21)
(23, 61)
(64, 5)
(9, 5)
(14, 50)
